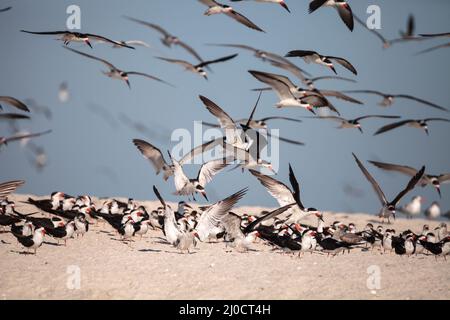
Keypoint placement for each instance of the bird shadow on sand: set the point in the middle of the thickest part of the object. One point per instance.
(53, 244)
(25, 253)
(149, 250)
(4, 232)
(4, 242)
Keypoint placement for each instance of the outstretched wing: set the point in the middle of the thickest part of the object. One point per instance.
(411, 185)
(6, 188)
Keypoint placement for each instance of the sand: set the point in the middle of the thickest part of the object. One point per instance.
(152, 269)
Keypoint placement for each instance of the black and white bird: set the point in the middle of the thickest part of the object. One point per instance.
(13, 102)
(116, 73)
(198, 68)
(414, 123)
(353, 123)
(433, 211)
(412, 208)
(280, 2)
(389, 99)
(433, 180)
(62, 232)
(22, 137)
(168, 39)
(285, 196)
(215, 7)
(327, 61)
(68, 36)
(342, 6)
(33, 241)
(389, 207)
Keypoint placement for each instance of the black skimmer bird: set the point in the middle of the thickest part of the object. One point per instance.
(412, 208)
(353, 123)
(215, 7)
(285, 95)
(342, 6)
(414, 123)
(22, 136)
(189, 187)
(389, 99)
(389, 207)
(81, 224)
(5, 9)
(26, 230)
(168, 39)
(68, 36)
(6, 188)
(13, 102)
(116, 73)
(433, 211)
(285, 196)
(280, 2)
(53, 203)
(441, 248)
(198, 68)
(13, 116)
(62, 232)
(327, 61)
(33, 241)
(434, 180)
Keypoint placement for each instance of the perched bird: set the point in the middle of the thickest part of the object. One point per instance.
(428, 179)
(413, 208)
(342, 6)
(418, 123)
(327, 61)
(433, 211)
(33, 241)
(116, 73)
(68, 36)
(353, 123)
(198, 68)
(13, 102)
(389, 99)
(218, 8)
(168, 39)
(389, 208)
(62, 232)
(280, 2)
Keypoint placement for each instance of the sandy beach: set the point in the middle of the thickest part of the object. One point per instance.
(152, 269)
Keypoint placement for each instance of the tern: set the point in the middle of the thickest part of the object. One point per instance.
(389, 208)
(285, 196)
(199, 68)
(285, 95)
(280, 2)
(68, 36)
(389, 99)
(417, 123)
(168, 39)
(25, 136)
(343, 8)
(116, 73)
(327, 61)
(13, 102)
(433, 180)
(218, 8)
(353, 123)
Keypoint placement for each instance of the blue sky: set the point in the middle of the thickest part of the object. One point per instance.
(90, 155)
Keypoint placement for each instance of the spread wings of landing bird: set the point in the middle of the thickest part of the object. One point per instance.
(69, 36)
(218, 8)
(389, 207)
(116, 73)
(6, 188)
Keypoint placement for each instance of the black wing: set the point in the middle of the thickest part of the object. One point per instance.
(411, 185)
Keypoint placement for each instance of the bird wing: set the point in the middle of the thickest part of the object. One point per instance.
(280, 118)
(444, 178)
(232, 224)
(386, 43)
(27, 136)
(377, 117)
(332, 78)
(5, 9)
(158, 195)
(104, 39)
(316, 4)
(9, 187)
(393, 126)
(200, 150)
(296, 187)
(210, 169)
(339, 95)
(237, 46)
(445, 45)
(411, 185)
(295, 142)
(223, 59)
(13, 116)
(151, 25)
(277, 189)
(405, 96)
(209, 3)
(46, 32)
(372, 181)
(436, 119)
(281, 88)
(110, 65)
(14, 102)
(255, 224)
(190, 50)
(179, 62)
(395, 167)
(346, 14)
(243, 20)
(149, 76)
(179, 177)
(345, 63)
(151, 153)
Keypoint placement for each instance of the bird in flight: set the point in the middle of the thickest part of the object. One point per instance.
(417, 123)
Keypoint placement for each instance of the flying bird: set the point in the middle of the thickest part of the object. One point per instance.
(68, 36)
(353, 123)
(218, 8)
(417, 123)
(389, 99)
(156, 158)
(280, 2)
(116, 73)
(342, 6)
(199, 68)
(168, 39)
(434, 180)
(327, 61)
(24, 136)
(6, 188)
(5, 9)
(13, 102)
(389, 207)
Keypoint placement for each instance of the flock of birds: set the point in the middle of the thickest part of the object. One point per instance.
(240, 145)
